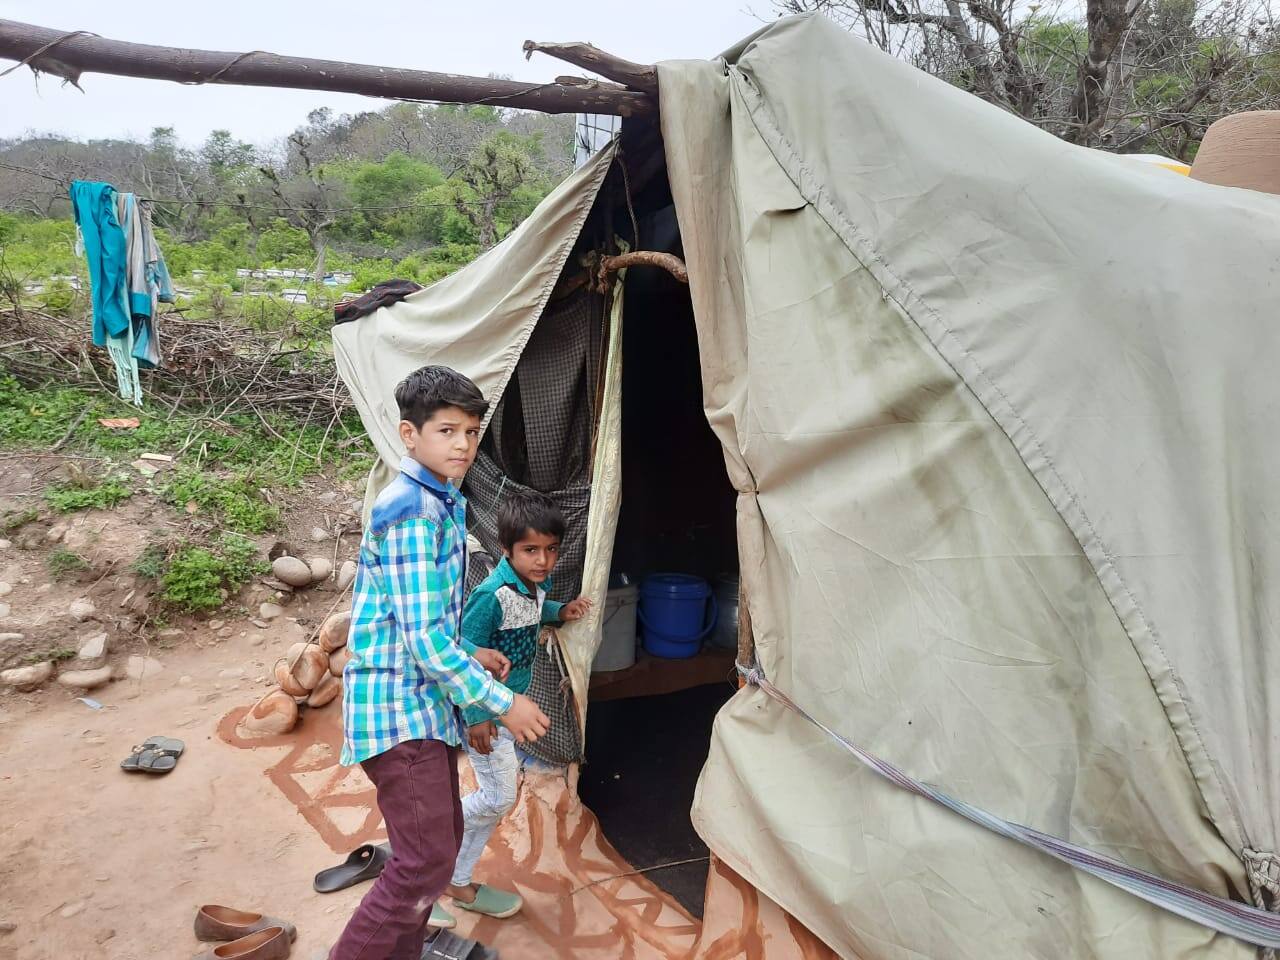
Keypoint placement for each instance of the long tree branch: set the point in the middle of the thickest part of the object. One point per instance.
(67, 54)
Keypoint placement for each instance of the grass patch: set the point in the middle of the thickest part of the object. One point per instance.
(57, 655)
(199, 579)
(64, 563)
(14, 520)
(236, 501)
(280, 452)
(69, 496)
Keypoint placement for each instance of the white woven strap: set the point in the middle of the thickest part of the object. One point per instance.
(1254, 925)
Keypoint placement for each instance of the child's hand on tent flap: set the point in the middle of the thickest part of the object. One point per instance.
(525, 721)
(494, 662)
(481, 735)
(576, 609)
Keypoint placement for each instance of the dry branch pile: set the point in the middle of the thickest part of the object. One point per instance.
(215, 362)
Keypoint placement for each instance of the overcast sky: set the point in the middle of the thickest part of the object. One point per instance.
(458, 36)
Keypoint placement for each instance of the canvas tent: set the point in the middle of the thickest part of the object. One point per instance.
(997, 413)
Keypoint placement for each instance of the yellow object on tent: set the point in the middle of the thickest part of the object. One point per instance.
(1177, 166)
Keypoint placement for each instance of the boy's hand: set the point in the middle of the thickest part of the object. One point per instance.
(481, 735)
(494, 662)
(576, 609)
(525, 721)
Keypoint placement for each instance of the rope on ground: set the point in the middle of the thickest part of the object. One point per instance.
(1249, 924)
(635, 873)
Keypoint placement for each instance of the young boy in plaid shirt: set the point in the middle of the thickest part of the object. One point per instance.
(408, 676)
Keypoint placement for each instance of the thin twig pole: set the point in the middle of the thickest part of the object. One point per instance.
(637, 76)
(68, 54)
(70, 430)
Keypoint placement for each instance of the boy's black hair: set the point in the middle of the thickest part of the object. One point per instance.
(523, 511)
(428, 389)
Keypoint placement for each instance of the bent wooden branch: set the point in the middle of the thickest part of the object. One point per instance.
(637, 76)
(641, 258)
(68, 54)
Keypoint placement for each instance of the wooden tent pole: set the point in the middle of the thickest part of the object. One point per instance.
(70, 53)
(746, 640)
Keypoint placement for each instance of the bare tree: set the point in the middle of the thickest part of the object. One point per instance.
(309, 199)
(1130, 75)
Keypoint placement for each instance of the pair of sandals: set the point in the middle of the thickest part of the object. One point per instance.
(156, 755)
(366, 862)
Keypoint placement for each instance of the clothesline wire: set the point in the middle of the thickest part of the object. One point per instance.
(360, 208)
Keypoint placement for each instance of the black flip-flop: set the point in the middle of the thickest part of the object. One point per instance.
(147, 760)
(167, 745)
(364, 863)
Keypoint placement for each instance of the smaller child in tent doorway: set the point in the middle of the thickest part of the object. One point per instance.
(506, 613)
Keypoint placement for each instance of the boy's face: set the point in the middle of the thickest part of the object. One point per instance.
(446, 445)
(534, 556)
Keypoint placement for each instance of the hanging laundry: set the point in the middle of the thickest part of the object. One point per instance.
(127, 278)
(148, 277)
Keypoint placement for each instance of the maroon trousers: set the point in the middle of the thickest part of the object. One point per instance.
(417, 784)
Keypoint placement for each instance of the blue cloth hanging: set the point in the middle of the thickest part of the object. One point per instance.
(94, 206)
(127, 277)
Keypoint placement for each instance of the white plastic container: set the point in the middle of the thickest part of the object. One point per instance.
(618, 631)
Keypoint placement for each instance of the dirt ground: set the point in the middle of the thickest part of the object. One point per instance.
(97, 863)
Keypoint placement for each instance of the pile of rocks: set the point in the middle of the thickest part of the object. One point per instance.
(87, 671)
(297, 573)
(294, 573)
(309, 675)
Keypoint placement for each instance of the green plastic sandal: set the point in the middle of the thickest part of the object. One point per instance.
(492, 902)
(441, 919)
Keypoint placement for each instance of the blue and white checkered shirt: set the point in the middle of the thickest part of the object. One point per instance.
(408, 676)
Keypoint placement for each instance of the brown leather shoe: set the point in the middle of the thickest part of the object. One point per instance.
(214, 922)
(270, 944)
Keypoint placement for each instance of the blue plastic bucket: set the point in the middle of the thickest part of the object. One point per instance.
(676, 612)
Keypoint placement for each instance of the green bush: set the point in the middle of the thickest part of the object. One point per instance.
(199, 579)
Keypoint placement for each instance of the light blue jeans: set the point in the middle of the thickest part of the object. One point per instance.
(496, 776)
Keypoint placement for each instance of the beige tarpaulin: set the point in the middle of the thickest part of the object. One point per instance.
(1001, 413)
(477, 320)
